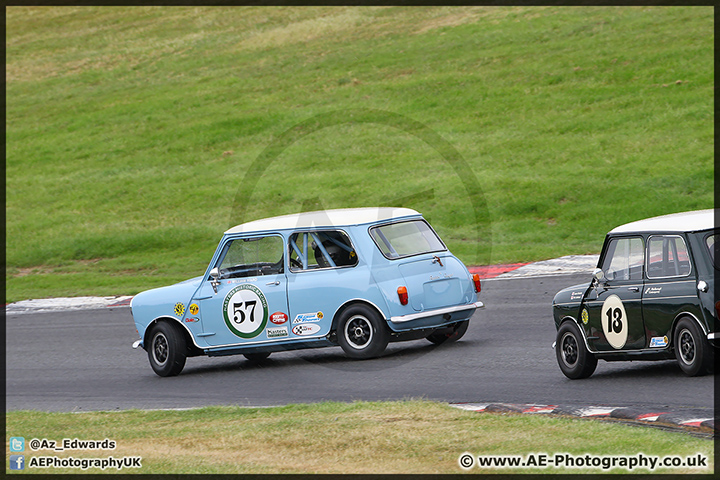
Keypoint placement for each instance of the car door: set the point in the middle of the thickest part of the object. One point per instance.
(670, 286)
(322, 277)
(613, 304)
(248, 302)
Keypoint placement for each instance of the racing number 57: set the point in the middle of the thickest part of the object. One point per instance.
(239, 310)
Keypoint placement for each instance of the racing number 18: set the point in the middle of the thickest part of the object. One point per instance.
(614, 317)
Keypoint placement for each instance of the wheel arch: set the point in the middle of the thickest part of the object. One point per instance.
(692, 317)
(351, 303)
(569, 318)
(189, 339)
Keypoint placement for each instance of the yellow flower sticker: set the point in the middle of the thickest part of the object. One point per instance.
(585, 316)
(179, 309)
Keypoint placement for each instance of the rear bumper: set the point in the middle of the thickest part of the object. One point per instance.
(438, 312)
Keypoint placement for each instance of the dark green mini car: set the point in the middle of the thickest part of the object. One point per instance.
(651, 297)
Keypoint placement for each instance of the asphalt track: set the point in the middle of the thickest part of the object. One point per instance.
(82, 360)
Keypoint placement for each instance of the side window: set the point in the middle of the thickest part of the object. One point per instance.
(326, 249)
(624, 259)
(251, 257)
(713, 246)
(667, 257)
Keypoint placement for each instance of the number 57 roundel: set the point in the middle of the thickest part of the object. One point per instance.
(245, 311)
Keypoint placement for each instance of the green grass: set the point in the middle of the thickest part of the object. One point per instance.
(133, 131)
(361, 437)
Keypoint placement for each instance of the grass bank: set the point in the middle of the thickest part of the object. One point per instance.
(361, 437)
(131, 130)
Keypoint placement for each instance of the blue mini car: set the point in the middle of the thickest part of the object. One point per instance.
(357, 278)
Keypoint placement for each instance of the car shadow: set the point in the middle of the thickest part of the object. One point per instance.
(397, 354)
(639, 370)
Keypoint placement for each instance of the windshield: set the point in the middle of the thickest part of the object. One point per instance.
(403, 239)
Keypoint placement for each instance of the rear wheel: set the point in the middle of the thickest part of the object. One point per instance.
(452, 333)
(361, 332)
(574, 359)
(167, 350)
(693, 352)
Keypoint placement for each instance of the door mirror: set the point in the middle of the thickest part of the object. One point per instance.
(598, 275)
(214, 278)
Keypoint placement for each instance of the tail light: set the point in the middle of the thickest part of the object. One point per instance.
(476, 281)
(403, 295)
(717, 308)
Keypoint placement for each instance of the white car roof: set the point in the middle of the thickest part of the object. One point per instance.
(325, 218)
(675, 222)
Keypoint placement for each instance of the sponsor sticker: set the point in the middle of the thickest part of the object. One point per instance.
(179, 309)
(306, 329)
(653, 290)
(584, 315)
(191, 320)
(308, 317)
(278, 318)
(576, 295)
(277, 332)
(658, 342)
(193, 309)
(245, 311)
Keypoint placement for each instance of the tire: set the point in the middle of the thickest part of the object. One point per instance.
(167, 350)
(692, 351)
(361, 332)
(449, 334)
(256, 357)
(574, 359)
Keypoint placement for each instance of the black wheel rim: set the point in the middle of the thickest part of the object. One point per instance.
(687, 347)
(160, 349)
(569, 348)
(358, 332)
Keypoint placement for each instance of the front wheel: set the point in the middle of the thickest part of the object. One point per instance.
(693, 353)
(167, 350)
(362, 333)
(452, 333)
(574, 359)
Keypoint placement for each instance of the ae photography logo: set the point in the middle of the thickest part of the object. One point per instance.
(372, 145)
(567, 461)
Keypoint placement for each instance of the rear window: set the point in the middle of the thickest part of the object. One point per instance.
(404, 239)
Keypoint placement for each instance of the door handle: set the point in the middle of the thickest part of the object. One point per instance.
(634, 289)
(276, 282)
